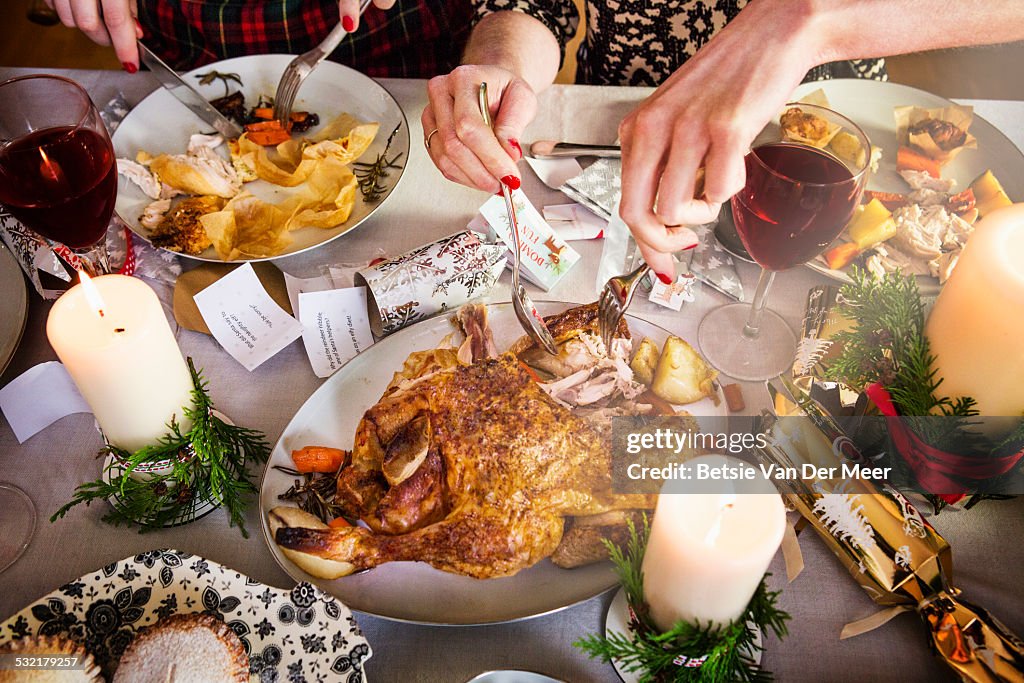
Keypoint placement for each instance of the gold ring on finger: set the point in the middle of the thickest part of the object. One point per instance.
(426, 142)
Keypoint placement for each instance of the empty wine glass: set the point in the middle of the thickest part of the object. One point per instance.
(805, 176)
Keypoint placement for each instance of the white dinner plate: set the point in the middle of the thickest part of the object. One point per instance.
(414, 591)
(162, 124)
(870, 105)
(13, 306)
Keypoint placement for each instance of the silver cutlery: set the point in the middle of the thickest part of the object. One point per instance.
(300, 67)
(527, 313)
(615, 299)
(549, 149)
(187, 95)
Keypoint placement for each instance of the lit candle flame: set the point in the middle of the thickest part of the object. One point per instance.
(725, 503)
(49, 169)
(92, 294)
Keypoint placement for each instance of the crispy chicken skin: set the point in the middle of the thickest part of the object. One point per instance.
(804, 125)
(180, 229)
(506, 465)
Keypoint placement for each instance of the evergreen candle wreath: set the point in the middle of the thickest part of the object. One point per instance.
(205, 464)
(688, 652)
(888, 356)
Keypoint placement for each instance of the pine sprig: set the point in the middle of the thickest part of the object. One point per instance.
(888, 345)
(208, 463)
(655, 656)
(370, 175)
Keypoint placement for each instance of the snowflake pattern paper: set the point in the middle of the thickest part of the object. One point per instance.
(713, 265)
(431, 279)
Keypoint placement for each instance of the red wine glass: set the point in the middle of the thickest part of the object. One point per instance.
(804, 178)
(58, 175)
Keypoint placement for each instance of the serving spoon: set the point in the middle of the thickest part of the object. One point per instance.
(527, 313)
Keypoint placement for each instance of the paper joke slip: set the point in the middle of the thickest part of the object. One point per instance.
(335, 327)
(244, 319)
(544, 256)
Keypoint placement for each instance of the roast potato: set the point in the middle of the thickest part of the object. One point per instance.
(286, 516)
(682, 375)
(645, 360)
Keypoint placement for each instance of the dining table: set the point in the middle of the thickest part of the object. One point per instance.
(988, 557)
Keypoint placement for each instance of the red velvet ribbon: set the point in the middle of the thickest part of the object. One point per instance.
(936, 468)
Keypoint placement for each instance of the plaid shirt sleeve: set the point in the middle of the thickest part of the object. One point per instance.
(414, 39)
(560, 16)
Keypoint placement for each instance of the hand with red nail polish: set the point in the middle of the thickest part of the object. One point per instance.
(105, 22)
(348, 10)
(462, 148)
(511, 182)
(514, 144)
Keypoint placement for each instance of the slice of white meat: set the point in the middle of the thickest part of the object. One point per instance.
(154, 213)
(921, 180)
(140, 176)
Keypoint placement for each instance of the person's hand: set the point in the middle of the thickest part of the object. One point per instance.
(106, 22)
(705, 115)
(458, 141)
(348, 10)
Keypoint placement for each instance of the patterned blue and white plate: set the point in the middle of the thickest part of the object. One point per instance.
(302, 634)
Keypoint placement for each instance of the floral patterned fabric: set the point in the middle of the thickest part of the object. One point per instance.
(640, 42)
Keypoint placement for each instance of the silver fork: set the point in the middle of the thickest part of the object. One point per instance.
(526, 312)
(302, 66)
(615, 299)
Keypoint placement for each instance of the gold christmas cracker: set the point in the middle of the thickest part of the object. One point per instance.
(883, 541)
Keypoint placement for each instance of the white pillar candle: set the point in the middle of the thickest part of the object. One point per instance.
(976, 328)
(709, 548)
(113, 338)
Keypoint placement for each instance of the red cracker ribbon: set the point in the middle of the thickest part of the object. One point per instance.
(935, 469)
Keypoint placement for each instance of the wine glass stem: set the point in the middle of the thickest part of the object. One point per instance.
(764, 283)
(95, 258)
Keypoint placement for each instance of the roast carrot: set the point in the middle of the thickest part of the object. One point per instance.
(318, 459)
(890, 200)
(339, 523)
(841, 256)
(661, 406)
(909, 159)
(961, 202)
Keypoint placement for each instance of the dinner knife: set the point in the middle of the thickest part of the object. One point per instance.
(188, 95)
(549, 149)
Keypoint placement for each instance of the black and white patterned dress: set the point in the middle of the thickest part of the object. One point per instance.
(641, 42)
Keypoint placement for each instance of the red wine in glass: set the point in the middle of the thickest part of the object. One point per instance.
(796, 201)
(61, 182)
(58, 175)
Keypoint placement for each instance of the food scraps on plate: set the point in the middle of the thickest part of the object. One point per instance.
(923, 230)
(200, 196)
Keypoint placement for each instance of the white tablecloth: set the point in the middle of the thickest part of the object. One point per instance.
(989, 557)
